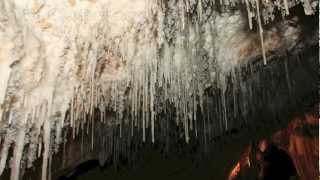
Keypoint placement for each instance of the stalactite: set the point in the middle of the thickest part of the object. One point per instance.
(261, 33)
(50, 168)
(249, 14)
(165, 56)
(1, 112)
(285, 2)
(18, 150)
(288, 79)
(92, 134)
(46, 151)
(4, 152)
(10, 116)
(39, 147)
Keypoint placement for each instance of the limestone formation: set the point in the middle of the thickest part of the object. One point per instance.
(63, 63)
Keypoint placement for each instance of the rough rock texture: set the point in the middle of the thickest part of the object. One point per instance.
(68, 63)
(299, 140)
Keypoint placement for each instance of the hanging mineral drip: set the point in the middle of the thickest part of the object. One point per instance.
(1, 112)
(200, 10)
(288, 79)
(161, 70)
(261, 33)
(46, 152)
(18, 150)
(285, 2)
(249, 13)
(5, 150)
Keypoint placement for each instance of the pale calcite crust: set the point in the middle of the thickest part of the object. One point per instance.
(126, 56)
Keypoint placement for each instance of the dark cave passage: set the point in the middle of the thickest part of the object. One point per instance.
(275, 164)
(267, 159)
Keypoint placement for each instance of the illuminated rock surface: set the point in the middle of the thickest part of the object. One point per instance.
(154, 64)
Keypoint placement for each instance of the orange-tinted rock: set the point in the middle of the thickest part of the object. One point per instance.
(299, 140)
(303, 144)
(72, 2)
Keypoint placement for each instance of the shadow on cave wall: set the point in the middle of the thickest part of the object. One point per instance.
(272, 164)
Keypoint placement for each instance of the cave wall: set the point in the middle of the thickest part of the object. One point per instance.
(160, 68)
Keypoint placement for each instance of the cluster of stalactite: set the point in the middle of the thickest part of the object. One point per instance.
(172, 64)
(172, 83)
